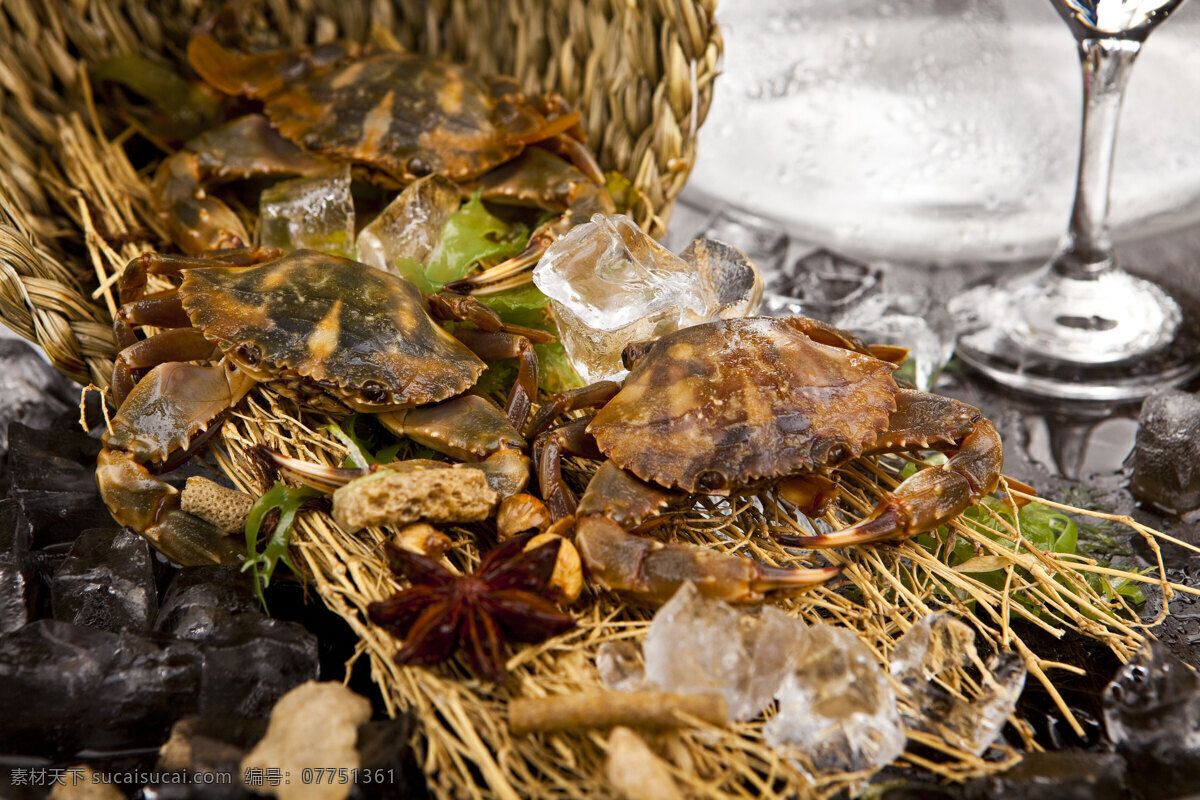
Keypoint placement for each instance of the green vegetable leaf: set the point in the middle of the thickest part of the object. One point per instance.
(184, 109)
(288, 500)
(473, 234)
(361, 447)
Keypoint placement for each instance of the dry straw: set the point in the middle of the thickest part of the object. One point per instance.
(73, 211)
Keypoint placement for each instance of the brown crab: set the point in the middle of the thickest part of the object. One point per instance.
(395, 117)
(329, 332)
(725, 405)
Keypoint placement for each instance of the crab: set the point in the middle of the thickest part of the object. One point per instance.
(395, 117)
(736, 404)
(328, 332)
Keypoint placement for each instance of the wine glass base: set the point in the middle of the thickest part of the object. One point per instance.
(1113, 338)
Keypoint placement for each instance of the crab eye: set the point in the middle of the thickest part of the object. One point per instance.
(710, 480)
(248, 353)
(373, 392)
(418, 167)
(831, 452)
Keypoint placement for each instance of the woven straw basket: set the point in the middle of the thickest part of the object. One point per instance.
(74, 211)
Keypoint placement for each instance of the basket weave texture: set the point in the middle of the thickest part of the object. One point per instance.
(73, 210)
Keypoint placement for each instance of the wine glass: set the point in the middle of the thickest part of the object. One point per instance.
(1081, 327)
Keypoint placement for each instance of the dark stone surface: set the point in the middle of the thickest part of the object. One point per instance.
(1166, 458)
(31, 391)
(1056, 776)
(106, 582)
(19, 583)
(64, 687)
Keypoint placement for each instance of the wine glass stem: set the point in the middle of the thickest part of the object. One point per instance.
(1107, 65)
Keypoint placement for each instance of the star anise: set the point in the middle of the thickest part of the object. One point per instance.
(503, 600)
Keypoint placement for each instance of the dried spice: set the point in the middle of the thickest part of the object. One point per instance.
(502, 601)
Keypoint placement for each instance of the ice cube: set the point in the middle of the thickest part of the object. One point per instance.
(63, 687)
(106, 582)
(837, 709)
(854, 295)
(315, 213)
(250, 661)
(916, 321)
(54, 477)
(1166, 456)
(929, 658)
(19, 582)
(620, 667)
(411, 224)
(610, 284)
(826, 284)
(1154, 702)
(31, 391)
(696, 645)
(186, 610)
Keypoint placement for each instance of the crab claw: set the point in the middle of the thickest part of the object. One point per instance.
(929, 498)
(652, 571)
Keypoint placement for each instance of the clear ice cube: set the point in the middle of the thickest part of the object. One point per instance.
(620, 667)
(731, 282)
(1166, 457)
(857, 296)
(106, 582)
(916, 321)
(763, 241)
(411, 224)
(1154, 702)
(928, 662)
(826, 284)
(696, 645)
(610, 284)
(837, 709)
(315, 213)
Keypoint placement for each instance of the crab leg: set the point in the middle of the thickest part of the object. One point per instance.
(548, 450)
(593, 396)
(495, 340)
(164, 310)
(196, 220)
(494, 346)
(931, 496)
(652, 571)
(178, 344)
(133, 279)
